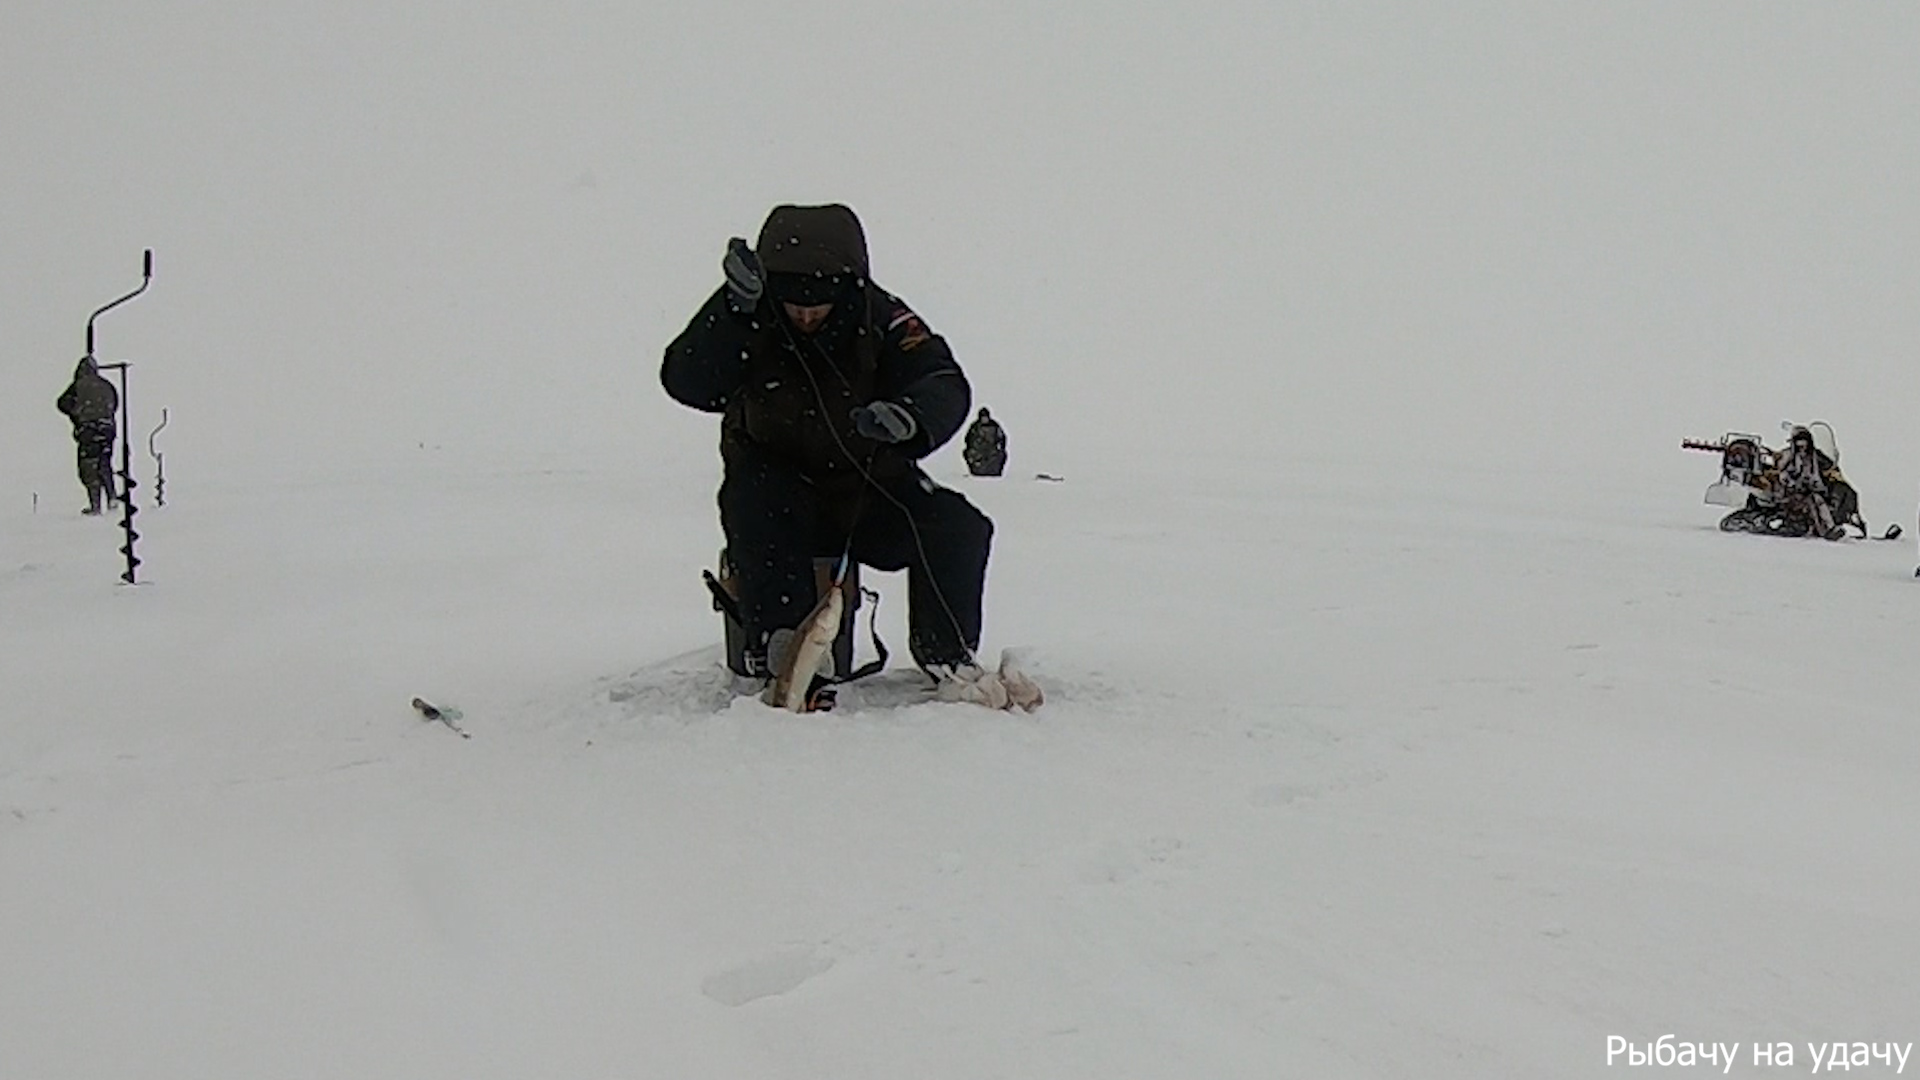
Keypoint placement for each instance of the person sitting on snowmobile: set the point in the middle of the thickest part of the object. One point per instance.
(1801, 473)
(91, 403)
(830, 391)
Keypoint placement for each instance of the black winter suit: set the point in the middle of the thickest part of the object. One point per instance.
(800, 481)
(90, 402)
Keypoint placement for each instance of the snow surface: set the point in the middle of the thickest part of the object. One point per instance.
(1407, 715)
(1331, 782)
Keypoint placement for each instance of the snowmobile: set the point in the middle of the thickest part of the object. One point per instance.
(1750, 484)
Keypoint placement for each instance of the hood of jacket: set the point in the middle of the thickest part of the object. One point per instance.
(819, 240)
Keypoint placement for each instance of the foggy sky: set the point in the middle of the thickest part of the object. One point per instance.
(1573, 233)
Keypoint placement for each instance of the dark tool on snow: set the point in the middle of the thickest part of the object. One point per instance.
(448, 716)
(127, 483)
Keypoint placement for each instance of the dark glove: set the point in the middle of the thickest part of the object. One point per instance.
(884, 422)
(745, 279)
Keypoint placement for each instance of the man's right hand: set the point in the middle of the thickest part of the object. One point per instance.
(745, 279)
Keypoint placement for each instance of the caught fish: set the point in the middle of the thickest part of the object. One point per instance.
(809, 653)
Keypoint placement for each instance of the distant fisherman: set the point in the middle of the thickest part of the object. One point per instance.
(986, 450)
(91, 403)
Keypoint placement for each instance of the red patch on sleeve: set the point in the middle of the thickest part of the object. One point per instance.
(912, 331)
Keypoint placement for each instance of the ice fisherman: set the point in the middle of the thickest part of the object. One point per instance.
(986, 449)
(91, 403)
(830, 391)
(1803, 482)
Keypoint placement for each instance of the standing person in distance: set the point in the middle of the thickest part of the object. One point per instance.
(91, 403)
